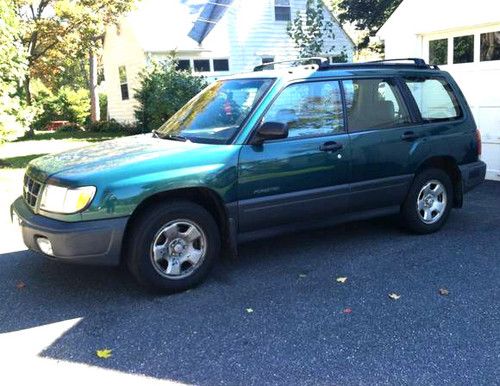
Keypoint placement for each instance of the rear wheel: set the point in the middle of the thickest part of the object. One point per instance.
(429, 202)
(172, 246)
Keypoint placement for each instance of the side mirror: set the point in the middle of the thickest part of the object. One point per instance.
(268, 131)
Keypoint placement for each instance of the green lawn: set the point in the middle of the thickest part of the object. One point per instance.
(17, 154)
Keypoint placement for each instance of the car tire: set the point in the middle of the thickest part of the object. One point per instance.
(428, 203)
(172, 246)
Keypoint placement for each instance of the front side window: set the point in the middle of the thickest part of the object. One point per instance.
(438, 52)
(434, 98)
(463, 49)
(122, 72)
(216, 114)
(309, 109)
(374, 104)
(490, 46)
(282, 10)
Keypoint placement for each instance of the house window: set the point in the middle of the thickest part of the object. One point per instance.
(269, 59)
(282, 10)
(183, 64)
(221, 65)
(463, 49)
(201, 65)
(438, 52)
(122, 71)
(490, 46)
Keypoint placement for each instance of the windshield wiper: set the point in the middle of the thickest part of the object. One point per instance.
(172, 137)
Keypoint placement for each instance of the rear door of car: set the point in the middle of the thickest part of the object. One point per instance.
(384, 132)
(302, 178)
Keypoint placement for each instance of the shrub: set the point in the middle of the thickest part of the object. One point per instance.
(66, 105)
(164, 90)
(112, 126)
(70, 128)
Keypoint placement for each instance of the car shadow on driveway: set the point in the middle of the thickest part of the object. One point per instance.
(298, 330)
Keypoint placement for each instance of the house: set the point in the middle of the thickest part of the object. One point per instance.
(463, 39)
(213, 38)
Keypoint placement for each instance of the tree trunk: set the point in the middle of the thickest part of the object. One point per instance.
(94, 96)
(27, 79)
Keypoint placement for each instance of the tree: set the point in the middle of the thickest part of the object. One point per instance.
(52, 30)
(163, 90)
(12, 70)
(310, 31)
(367, 15)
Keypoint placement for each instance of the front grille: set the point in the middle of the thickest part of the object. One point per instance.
(31, 190)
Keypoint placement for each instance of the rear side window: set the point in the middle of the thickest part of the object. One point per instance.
(309, 109)
(374, 104)
(434, 98)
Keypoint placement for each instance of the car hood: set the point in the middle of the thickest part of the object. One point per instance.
(129, 154)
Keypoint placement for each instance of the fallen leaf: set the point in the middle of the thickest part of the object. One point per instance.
(302, 275)
(347, 311)
(394, 296)
(249, 310)
(341, 279)
(104, 353)
(444, 292)
(20, 284)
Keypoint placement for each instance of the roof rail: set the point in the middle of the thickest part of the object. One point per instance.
(415, 63)
(294, 63)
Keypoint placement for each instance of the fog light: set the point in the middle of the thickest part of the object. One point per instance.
(45, 245)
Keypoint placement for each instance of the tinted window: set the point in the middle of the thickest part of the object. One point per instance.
(221, 65)
(434, 98)
(309, 109)
(201, 65)
(438, 51)
(463, 49)
(183, 64)
(490, 46)
(374, 104)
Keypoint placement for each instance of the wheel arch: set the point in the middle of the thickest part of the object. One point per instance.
(205, 197)
(450, 166)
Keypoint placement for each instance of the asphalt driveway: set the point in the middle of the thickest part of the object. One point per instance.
(299, 331)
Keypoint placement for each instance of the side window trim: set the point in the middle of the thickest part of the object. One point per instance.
(293, 83)
(409, 101)
(397, 84)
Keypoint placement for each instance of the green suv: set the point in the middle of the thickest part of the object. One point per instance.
(255, 155)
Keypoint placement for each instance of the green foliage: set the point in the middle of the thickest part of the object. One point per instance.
(66, 105)
(367, 15)
(70, 128)
(103, 106)
(12, 70)
(311, 30)
(164, 90)
(112, 126)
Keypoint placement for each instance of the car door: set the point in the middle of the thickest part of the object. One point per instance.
(384, 136)
(304, 177)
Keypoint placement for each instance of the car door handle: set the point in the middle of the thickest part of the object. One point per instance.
(409, 136)
(331, 146)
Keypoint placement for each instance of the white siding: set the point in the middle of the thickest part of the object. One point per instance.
(407, 34)
(121, 50)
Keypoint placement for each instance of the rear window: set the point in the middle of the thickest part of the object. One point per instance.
(374, 104)
(434, 98)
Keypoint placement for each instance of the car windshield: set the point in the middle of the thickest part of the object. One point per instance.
(216, 114)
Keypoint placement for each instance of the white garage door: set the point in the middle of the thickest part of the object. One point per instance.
(472, 56)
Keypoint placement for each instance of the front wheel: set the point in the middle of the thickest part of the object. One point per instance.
(172, 246)
(429, 202)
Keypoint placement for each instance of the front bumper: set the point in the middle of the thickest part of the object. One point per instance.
(89, 242)
(473, 174)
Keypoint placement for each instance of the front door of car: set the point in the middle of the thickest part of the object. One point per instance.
(305, 176)
(383, 138)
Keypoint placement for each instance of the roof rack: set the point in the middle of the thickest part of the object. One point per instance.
(294, 63)
(411, 63)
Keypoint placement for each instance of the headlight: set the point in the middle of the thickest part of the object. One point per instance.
(65, 200)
